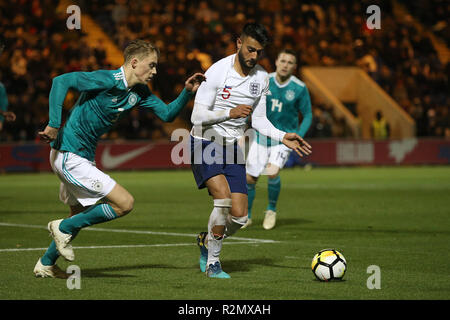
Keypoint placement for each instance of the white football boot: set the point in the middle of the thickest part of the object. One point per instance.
(62, 240)
(270, 218)
(41, 271)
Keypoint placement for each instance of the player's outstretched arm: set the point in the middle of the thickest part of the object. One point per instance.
(4, 114)
(262, 124)
(168, 112)
(306, 111)
(291, 139)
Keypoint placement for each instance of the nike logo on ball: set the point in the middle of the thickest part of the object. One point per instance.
(110, 161)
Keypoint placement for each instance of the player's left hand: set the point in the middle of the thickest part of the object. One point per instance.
(194, 82)
(296, 143)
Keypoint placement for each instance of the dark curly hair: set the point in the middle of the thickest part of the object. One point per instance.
(257, 31)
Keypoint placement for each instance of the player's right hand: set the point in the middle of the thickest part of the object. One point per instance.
(241, 111)
(295, 142)
(49, 134)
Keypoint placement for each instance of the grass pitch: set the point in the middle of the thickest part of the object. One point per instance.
(394, 218)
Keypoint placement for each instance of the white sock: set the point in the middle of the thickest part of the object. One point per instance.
(233, 224)
(217, 218)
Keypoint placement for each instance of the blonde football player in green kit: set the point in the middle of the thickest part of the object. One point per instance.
(106, 95)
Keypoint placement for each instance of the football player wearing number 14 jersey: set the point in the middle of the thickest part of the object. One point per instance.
(235, 89)
(287, 99)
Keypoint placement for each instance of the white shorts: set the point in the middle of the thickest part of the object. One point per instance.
(81, 181)
(260, 155)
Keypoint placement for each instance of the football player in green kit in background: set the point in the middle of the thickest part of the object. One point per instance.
(106, 95)
(287, 98)
(4, 113)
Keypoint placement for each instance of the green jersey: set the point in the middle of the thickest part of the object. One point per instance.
(3, 100)
(284, 102)
(105, 98)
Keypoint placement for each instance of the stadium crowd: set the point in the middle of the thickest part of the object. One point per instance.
(194, 34)
(38, 48)
(433, 14)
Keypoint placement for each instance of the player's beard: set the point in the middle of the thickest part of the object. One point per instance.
(247, 65)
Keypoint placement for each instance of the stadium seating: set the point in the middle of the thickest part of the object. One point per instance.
(193, 34)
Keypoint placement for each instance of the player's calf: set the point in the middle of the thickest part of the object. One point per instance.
(238, 214)
(216, 228)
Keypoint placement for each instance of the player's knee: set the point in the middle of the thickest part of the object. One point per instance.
(251, 179)
(272, 171)
(129, 204)
(126, 206)
(76, 209)
(220, 193)
(273, 176)
(237, 211)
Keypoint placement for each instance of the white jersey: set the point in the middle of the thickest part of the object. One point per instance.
(225, 89)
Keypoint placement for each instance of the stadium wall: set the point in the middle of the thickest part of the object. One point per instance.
(341, 85)
(34, 157)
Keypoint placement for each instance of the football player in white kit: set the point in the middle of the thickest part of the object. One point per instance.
(235, 88)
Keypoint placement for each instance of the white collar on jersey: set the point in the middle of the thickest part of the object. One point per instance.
(124, 78)
(279, 85)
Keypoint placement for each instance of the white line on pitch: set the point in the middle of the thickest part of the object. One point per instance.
(125, 246)
(137, 232)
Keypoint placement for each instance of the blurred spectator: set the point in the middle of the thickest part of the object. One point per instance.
(380, 127)
(433, 14)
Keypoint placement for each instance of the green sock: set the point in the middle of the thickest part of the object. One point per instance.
(96, 214)
(251, 196)
(273, 187)
(51, 255)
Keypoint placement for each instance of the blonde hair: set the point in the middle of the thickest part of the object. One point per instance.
(139, 48)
